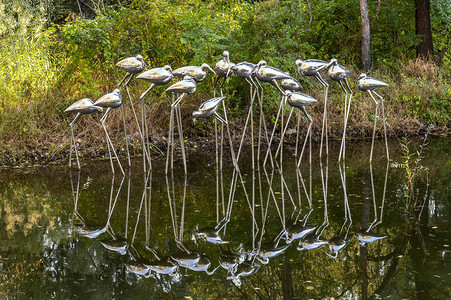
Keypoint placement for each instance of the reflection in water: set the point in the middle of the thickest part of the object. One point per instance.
(366, 236)
(314, 241)
(81, 226)
(178, 236)
(339, 242)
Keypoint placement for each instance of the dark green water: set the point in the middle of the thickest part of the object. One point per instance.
(45, 255)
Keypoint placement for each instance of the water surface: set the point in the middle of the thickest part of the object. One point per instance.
(53, 222)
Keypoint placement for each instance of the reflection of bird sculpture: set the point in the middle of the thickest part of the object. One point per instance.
(157, 76)
(337, 244)
(162, 265)
(268, 252)
(369, 85)
(298, 231)
(228, 260)
(81, 107)
(312, 243)
(118, 245)
(365, 237)
(341, 74)
(312, 67)
(210, 235)
(110, 101)
(185, 87)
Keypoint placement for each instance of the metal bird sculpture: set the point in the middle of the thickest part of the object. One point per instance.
(81, 107)
(198, 73)
(156, 76)
(341, 74)
(209, 108)
(312, 67)
(370, 84)
(184, 87)
(110, 101)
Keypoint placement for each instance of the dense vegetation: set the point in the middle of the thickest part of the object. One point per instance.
(56, 51)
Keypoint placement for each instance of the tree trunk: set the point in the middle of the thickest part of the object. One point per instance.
(366, 37)
(423, 28)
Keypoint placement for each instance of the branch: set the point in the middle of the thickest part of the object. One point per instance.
(310, 13)
(377, 13)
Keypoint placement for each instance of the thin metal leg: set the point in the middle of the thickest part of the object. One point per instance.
(245, 128)
(125, 134)
(125, 77)
(146, 139)
(374, 127)
(170, 142)
(305, 143)
(182, 140)
(143, 117)
(384, 123)
(324, 129)
(75, 147)
(297, 137)
(72, 141)
(133, 110)
(284, 131)
(343, 140)
(272, 134)
(71, 144)
(111, 145)
(262, 120)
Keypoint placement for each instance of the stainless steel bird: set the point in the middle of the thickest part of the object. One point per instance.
(209, 108)
(291, 84)
(81, 107)
(269, 74)
(248, 71)
(312, 67)
(222, 69)
(156, 76)
(110, 101)
(131, 65)
(198, 73)
(341, 74)
(300, 101)
(369, 84)
(184, 87)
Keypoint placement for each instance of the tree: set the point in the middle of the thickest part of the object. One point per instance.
(366, 37)
(423, 28)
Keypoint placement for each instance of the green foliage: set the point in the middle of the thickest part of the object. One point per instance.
(441, 30)
(27, 69)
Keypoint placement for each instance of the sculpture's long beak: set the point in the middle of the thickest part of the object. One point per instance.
(211, 69)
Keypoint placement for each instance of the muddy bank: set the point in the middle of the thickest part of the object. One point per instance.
(199, 138)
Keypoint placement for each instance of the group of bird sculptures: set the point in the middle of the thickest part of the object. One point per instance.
(253, 74)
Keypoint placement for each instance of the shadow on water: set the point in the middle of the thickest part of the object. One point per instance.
(322, 231)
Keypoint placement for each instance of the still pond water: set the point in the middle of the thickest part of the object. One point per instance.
(286, 234)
